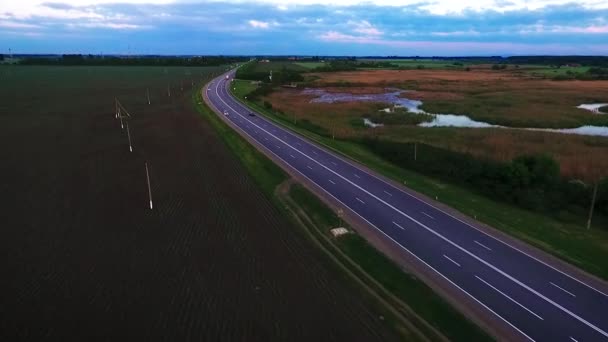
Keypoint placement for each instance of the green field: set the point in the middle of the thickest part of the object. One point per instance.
(548, 71)
(587, 249)
(277, 66)
(310, 65)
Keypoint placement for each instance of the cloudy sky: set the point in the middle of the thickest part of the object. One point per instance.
(311, 27)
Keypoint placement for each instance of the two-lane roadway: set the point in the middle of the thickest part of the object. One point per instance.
(536, 300)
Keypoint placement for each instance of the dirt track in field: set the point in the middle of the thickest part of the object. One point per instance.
(84, 258)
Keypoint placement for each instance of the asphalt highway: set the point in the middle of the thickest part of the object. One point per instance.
(536, 300)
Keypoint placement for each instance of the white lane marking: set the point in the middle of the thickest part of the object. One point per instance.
(400, 245)
(279, 147)
(265, 138)
(482, 245)
(308, 166)
(334, 163)
(332, 182)
(561, 288)
(388, 193)
(427, 215)
(573, 339)
(513, 300)
(314, 152)
(398, 225)
(358, 199)
(455, 263)
(356, 175)
(292, 156)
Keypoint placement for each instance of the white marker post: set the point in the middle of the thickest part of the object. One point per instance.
(120, 117)
(149, 190)
(129, 136)
(148, 94)
(168, 90)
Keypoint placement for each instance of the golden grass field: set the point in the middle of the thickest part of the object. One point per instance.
(510, 98)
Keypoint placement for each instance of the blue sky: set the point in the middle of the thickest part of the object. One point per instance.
(310, 27)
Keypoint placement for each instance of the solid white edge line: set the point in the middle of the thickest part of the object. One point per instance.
(482, 245)
(382, 232)
(513, 300)
(561, 288)
(455, 263)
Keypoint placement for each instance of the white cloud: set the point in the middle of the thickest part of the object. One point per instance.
(259, 24)
(365, 28)
(17, 25)
(29, 8)
(540, 28)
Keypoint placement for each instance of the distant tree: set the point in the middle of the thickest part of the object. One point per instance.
(1, 57)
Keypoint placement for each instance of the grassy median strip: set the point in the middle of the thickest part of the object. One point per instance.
(435, 314)
(586, 249)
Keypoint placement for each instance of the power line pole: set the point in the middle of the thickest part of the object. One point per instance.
(149, 189)
(129, 137)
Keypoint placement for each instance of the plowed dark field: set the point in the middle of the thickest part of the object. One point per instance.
(82, 256)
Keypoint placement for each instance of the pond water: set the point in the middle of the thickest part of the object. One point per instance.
(593, 107)
(392, 96)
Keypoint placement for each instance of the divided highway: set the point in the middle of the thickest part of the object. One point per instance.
(525, 294)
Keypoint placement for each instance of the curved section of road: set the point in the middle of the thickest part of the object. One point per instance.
(537, 301)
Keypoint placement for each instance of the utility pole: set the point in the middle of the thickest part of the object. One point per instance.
(593, 197)
(129, 137)
(149, 189)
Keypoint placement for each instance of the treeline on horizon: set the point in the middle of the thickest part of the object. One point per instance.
(97, 60)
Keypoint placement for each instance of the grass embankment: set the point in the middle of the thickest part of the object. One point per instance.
(587, 249)
(378, 270)
(373, 268)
